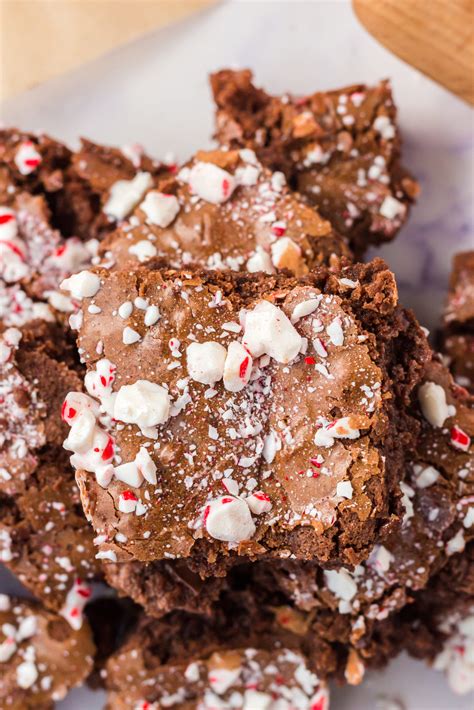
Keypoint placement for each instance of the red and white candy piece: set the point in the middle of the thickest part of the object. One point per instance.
(76, 599)
(211, 183)
(8, 224)
(70, 256)
(13, 266)
(126, 194)
(160, 208)
(434, 407)
(27, 158)
(100, 452)
(74, 404)
(99, 382)
(237, 367)
(144, 403)
(459, 439)
(127, 502)
(206, 361)
(338, 429)
(259, 503)
(228, 519)
(268, 331)
(85, 284)
(221, 679)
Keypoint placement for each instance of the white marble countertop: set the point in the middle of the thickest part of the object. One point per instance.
(155, 91)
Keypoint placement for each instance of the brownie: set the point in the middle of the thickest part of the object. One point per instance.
(298, 452)
(356, 612)
(231, 660)
(340, 149)
(42, 657)
(458, 332)
(225, 211)
(44, 538)
(75, 185)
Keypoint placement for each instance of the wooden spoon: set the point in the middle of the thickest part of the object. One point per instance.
(435, 36)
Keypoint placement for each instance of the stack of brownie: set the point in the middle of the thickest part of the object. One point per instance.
(214, 404)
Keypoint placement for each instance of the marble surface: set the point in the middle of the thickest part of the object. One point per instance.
(155, 91)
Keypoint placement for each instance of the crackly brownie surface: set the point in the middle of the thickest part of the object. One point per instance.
(358, 612)
(233, 660)
(340, 149)
(239, 414)
(44, 537)
(225, 211)
(79, 187)
(41, 656)
(458, 335)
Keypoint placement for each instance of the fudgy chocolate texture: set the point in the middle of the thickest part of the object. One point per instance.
(225, 211)
(41, 656)
(162, 586)
(340, 149)
(234, 659)
(458, 333)
(267, 450)
(44, 537)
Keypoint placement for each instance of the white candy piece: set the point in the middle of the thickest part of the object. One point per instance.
(260, 261)
(344, 489)
(126, 194)
(8, 224)
(341, 584)
(206, 361)
(130, 336)
(144, 250)
(152, 316)
(160, 209)
(146, 465)
(268, 331)
(392, 208)
(256, 700)
(338, 429)
(335, 332)
(380, 559)
(425, 476)
(211, 183)
(435, 409)
(259, 503)
(85, 284)
(26, 674)
(305, 308)
(229, 519)
(144, 403)
(385, 127)
(237, 367)
(129, 473)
